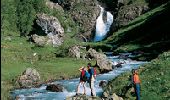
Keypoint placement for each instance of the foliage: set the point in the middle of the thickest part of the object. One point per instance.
(154, 80)
(17, 55)
(8, 17)
(18, 15)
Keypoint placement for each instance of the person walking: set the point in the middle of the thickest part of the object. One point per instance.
(92, 72)
(136, 82)
(82, 81)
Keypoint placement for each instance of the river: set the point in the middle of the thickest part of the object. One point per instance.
(70, 85)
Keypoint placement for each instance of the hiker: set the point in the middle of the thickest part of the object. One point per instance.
(136, 83)
(92, 72)
(84, 76)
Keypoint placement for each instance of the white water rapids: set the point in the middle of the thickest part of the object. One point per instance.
(70, 85)
(102, 28)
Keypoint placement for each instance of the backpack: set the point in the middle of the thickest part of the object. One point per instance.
(93, 71)
(85, 75)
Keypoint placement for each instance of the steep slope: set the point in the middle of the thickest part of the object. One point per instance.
(147, 33)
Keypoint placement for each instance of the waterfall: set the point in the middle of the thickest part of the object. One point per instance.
(103, 27)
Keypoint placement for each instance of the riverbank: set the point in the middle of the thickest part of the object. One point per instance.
(155, 82)
(59, 68)
(18, 54)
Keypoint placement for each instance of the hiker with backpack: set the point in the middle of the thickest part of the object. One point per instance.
(84, 76)
(92, 72)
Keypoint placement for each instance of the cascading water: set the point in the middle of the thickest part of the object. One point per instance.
(102, 28)
(70, 85)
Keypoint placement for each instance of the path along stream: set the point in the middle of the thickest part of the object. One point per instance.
(70, 85)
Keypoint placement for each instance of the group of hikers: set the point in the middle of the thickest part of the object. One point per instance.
(88, 74)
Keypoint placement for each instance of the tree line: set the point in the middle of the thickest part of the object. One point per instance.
(17, 16)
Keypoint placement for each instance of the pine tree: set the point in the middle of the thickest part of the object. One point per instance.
(8, 17)
(26, 15)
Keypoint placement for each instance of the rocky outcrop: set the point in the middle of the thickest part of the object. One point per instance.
(29, 78)
(85, 13)
(129, 12)
(74, 52)
(55, 88)
(52, 28)
(102, 62)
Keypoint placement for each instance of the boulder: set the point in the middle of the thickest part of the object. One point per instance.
(119, 65)
(74, 52)
(115, 97)
(29, 78)
(102, 62)
(55, 88)
(102, 83)
(52, 28)
(38, 40)
(104, 65)
(93, 54)
(105, 95)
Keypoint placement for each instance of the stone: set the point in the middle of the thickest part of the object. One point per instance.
(53, 29)
(74, 52)
(29, 78)
(38, 40)
(102, 83)
(102, 62)
(55, 88)
(105, 95)
(114, 97)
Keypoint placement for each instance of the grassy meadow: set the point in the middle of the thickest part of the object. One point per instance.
(17, 55)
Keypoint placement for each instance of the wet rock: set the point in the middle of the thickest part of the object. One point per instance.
(55, 88)
(119, 65)
(52, 27)
(29, 78)
(102, 83)
(123, 56)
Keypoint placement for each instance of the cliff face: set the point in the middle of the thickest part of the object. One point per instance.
(85, 12)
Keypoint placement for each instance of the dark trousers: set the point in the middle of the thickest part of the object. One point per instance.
(137, 91)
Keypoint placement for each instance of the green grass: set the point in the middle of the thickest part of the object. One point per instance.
(155, 80)
(133, 24)
(17, 55)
